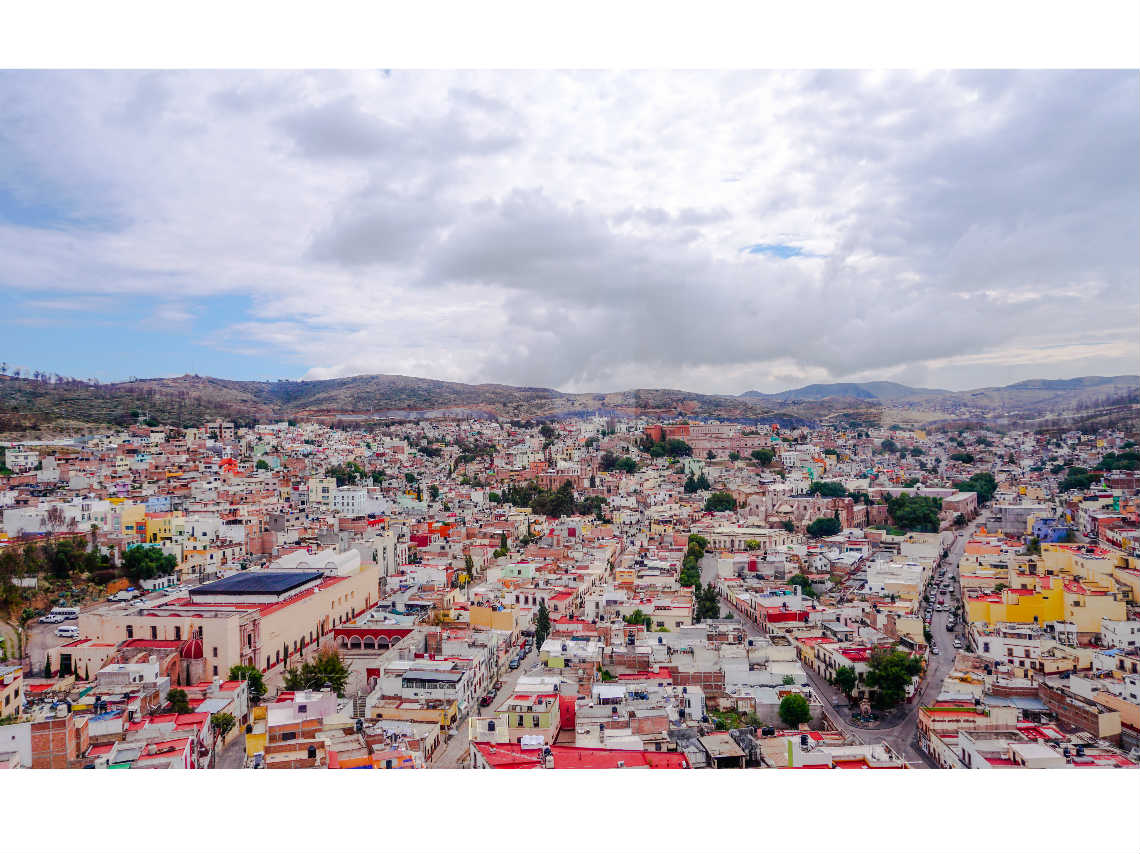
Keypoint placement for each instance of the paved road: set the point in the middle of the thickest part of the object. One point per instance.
(454, 753)
(901, 736)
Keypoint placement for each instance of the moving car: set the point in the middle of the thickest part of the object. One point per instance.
(67, 632)
(935, 650)
(515, 662)
(957, 643)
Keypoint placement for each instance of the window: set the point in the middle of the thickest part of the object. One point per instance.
(178, 632)
(534, 721)
(130, 631)
(154, 632)
(215, 652)
(215, 670)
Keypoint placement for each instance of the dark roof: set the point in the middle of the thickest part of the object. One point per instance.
(434, 675)
(253, 583)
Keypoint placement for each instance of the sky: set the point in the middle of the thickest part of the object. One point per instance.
(709, 231)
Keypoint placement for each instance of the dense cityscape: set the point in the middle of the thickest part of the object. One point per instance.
(593, 592)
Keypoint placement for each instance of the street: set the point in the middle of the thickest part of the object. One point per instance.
(901, 736)
(454, 753)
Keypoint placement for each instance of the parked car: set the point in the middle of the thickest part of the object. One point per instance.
(486, 699)
(515, 662)
(67, 632)
(957, 643)
(935, 650)
(52, 618)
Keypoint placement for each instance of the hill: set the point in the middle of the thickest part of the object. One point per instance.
(34, 404)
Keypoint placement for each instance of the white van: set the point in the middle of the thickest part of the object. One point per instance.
(66, 613)
(67, 632)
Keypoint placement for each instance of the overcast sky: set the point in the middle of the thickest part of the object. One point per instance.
(716, 232)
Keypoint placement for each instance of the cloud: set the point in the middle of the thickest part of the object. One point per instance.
(584, 230)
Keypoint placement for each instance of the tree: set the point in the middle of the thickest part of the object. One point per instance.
(262, 465)
(753, 545)
(541, 625)
(720, 501)
(845, 679)
(707, 603)
(825, 526)
(326, 668)
(763, 455)
(626, 464)
(178, 701)
(788, 525)
(1033, 547)
(889, 672)
(794, 710)
(637, 618)
(828, 489)
(143, 562)
(733, 456)
(915, 512)
(968, 459)
(220, 725)
(345, 473)
(252, 677)
(710, 456)
(1078, 478)
(999, 587)
(804, 583)
(983, 483)
(503, 543)
(433, 491)
(959, 520)
(889, 446)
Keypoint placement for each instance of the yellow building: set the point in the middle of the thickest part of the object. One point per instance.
(1083, 603)
(486, 617)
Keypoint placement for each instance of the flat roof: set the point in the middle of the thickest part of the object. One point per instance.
(255, 582)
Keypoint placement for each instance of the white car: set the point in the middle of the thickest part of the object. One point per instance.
(957, 644)
(67, 632)
(51, 618)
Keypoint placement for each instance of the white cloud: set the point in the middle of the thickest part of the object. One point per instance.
(580, 230)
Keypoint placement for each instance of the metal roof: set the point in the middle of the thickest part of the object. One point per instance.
(255, 582)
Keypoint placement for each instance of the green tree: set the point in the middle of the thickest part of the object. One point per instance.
(845, 679)
(733, 456)
(824, 526)
(326, 668)
(541, 625)
(788, 525)
(983, 483)
(889, 672)
(966, 458)
(252, 677)
(178, 701)
(794, 710)
(433, 491)
(763, 455)
(889, 446)
(262, 465)
(143, 562)
(804, 583)
(345, 473)
(720, 501)
(220, 725)
(915, 512)
(828, 489)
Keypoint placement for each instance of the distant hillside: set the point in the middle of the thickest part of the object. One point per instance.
(858, 391)
(34, 404)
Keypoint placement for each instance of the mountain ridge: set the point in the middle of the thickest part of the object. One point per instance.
(191, 399)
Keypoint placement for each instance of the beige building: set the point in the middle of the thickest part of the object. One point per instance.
(267, 619)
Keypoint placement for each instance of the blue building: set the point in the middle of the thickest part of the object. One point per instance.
(1050, 530)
